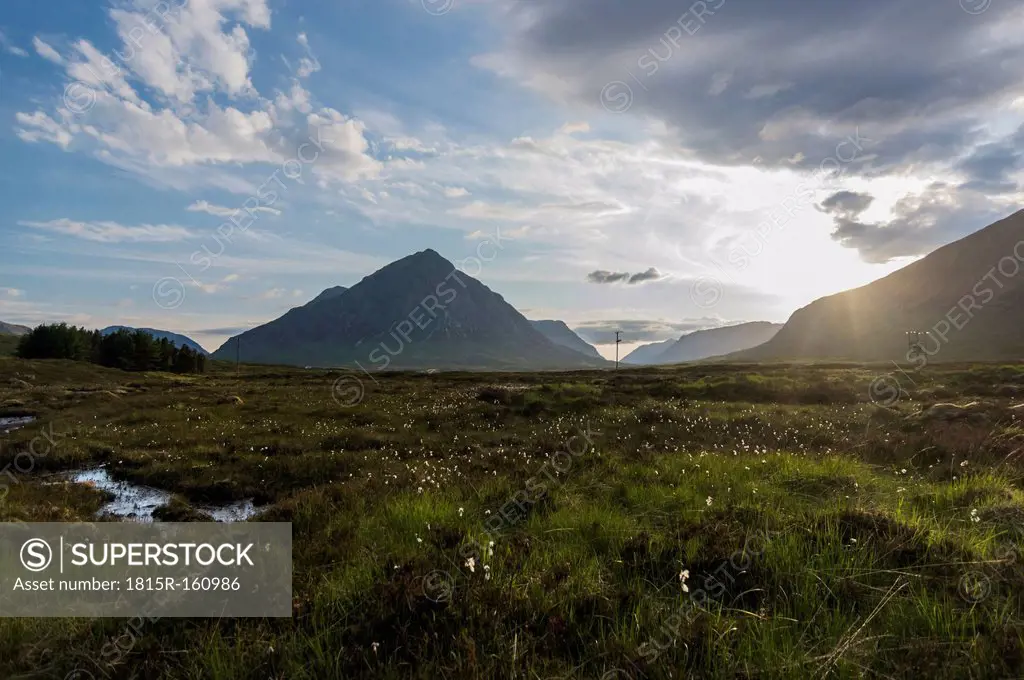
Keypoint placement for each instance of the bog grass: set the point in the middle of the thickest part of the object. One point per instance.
(714, 521)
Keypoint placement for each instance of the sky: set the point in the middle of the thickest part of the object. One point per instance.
(650, 166)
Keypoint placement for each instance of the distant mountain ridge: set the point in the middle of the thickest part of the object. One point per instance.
(176, 339)
(646, 355)
(705, 344)
(13, 329)
(968, 294)
(560, 334)
(417, 312)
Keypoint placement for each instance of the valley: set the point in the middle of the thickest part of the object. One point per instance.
(713, 520)
(501, 339)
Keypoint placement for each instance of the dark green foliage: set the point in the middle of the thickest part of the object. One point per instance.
(58, 341)
(124, 349)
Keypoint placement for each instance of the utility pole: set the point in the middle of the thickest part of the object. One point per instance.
(617, 341)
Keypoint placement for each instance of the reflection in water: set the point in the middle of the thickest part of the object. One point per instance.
(136, 503)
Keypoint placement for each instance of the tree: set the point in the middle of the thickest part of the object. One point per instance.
(166, 354)
(144, 351)
(128, 350)
(185, 362)
(117, 350)
(56, 341)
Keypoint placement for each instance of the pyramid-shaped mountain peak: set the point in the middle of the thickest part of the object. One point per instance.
(428, 257)
(419, 311)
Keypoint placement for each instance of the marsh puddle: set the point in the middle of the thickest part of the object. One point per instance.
(236, 512)
(11, 424)
(136, 503)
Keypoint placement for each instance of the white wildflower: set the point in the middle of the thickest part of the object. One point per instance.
(471, 565)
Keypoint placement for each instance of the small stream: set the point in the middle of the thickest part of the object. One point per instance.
(136, 503)
(8, 425)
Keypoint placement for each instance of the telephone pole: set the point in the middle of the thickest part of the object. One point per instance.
(617, 341)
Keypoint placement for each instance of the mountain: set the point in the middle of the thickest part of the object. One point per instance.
(177, 339)
(560, 334)
(13, 329)
(417, 312)
(718, 341)
(645, 355)
(967, 294)
(705, 344)
(329, 294)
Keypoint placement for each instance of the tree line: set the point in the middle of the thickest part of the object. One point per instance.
(129, 350)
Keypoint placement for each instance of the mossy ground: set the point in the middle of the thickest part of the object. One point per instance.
(823, 535)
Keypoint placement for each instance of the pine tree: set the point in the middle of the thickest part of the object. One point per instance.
(185, 362)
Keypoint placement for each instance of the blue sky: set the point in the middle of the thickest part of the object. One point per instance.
(591, 143)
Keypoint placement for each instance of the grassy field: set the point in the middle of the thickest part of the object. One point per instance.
(706, 521)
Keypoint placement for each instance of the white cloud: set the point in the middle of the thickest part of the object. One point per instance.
(720, 83)
(39, 127)
(12, 292)
(222, 211)
(94, 70)
(46, 51)
(409, 144)
(112, 232)
(309, 64)
(456, 192)
(274, 294)
(130, 130)
(410, 188)
(297, 99)
(572, 128)
(198, 47)
(9, 47)
(767, 90)
(189, 49)
(216, 287)
(346, 152)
